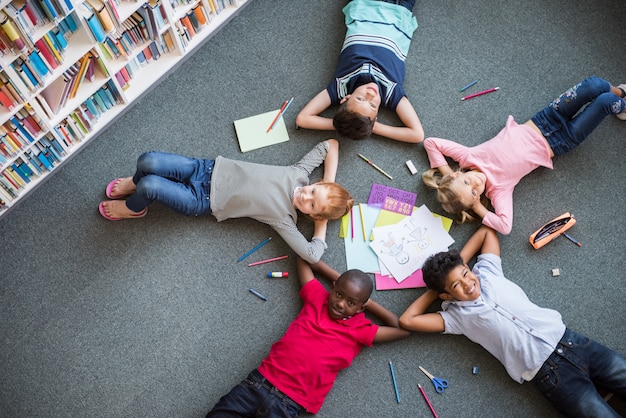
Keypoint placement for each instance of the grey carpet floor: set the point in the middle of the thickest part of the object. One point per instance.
(152, 317)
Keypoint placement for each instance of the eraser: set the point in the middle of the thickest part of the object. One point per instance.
(411, 167)
(555, 272)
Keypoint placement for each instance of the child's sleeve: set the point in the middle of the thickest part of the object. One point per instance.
(501, 219)
(438, 149)
(309, 251)
(313, 158)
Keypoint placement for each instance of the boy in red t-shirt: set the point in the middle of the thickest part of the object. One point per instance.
(325, 337)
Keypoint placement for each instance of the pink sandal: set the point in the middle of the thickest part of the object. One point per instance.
(109, 190)
(111, 218)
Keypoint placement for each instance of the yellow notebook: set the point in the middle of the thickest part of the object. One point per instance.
(252, 131)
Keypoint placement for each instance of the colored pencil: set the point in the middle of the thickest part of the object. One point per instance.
(427, 401)
(362, 223)
(380, 170)
(480, 93)
(269, 260)
(280, 112)
(395, 384)
(468, 86)
(254, 249)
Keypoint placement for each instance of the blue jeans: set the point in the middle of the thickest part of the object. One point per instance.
(565, 128)
(255, 397)
(567, 379)
(178, 182)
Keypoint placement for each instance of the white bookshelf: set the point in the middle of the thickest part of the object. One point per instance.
(55, 133)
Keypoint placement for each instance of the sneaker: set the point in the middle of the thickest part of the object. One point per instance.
(622, 116)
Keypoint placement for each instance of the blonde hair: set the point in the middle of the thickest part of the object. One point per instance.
(339, 201)
(446, 195)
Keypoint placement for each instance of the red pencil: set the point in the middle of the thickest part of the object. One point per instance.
(269, 260)
(480, 93)
(427, 400)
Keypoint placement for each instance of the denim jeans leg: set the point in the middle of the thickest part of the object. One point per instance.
(178, 182)
(571, 117)
(567, 379)
(255, 397)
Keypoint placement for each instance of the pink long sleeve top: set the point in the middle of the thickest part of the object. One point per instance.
(505, 159)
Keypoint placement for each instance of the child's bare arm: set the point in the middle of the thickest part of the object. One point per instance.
(305, 272)
(415, 318)
(412, 131)
(309, 117)
(325, 270)
(485, 240)
(331, 161)
(391, 331)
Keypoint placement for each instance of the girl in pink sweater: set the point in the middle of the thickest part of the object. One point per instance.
(492, 169)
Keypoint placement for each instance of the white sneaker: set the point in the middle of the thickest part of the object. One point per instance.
(622, 116)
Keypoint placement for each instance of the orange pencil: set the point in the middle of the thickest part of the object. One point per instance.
(280, 112)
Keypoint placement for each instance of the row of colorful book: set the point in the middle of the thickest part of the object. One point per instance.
(192, 23)
(35, 65)
(150, 53)
(54, 97)
(20, 20)
(17, 133)
(141, 27)
(40, 152)
(10, 95)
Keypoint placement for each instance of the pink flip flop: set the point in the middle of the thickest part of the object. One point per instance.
(110, 218)
(109, 190)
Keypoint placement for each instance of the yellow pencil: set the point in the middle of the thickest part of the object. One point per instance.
(362, 222)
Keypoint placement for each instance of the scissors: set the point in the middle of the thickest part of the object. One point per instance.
(440, 384)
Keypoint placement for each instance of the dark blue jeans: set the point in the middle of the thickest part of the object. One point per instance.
(255, 396)
(178, 182)
(565, 125)
(568, 378)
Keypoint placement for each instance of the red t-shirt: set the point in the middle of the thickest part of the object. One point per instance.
(304, 363)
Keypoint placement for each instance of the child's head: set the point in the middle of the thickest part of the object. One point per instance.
(358, 111)
(349, 294)
(448, 275)
(457, 192)
(323, 200)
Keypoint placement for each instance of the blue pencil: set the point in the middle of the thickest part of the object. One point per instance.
(395, 384)
(469, 85)
(254, 249)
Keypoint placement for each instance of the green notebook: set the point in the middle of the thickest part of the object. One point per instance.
(252, 131)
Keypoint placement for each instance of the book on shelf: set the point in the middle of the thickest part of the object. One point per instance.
(38, 64)
(200, 14)
(46, 52)
(188, 26)
(50, 9)
(19, 40)
(80, 76)
(95, 27)
(5, 100)
(107, 21)
(53, 94)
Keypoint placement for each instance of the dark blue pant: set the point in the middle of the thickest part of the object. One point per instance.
(568, 378)
(255, 396)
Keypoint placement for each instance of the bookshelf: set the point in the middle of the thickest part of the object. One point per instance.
(68, 68)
